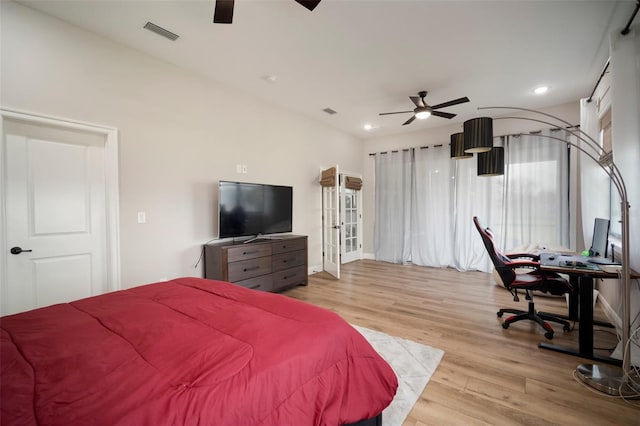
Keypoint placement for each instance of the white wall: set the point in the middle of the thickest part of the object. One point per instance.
(442, 135)
(179, 134)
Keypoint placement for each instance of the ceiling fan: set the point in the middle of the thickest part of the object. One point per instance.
(223, 13)
(424, 110)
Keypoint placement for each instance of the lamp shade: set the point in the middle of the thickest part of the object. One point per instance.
(457, 147)
(491, 163)
(478, 135)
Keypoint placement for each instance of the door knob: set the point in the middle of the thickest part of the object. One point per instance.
(18, 250)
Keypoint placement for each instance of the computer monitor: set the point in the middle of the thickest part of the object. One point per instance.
(600, 239)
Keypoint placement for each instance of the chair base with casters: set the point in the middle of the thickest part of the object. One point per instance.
(532, 315)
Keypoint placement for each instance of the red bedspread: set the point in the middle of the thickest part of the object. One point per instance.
(188, 352)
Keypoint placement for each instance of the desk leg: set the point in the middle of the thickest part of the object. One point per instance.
(585, 336)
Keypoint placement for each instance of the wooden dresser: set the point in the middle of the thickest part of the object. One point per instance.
(265, 264)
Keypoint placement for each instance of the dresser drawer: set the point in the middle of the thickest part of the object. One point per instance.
(287, 245)
(288, 260)
(246, 269)
(289, 277)
(243, 252)
(263, 283)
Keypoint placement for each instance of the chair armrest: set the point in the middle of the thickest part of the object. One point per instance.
(530, 256)
(522, 264)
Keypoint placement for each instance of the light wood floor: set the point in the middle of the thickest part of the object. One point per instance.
(488, 376)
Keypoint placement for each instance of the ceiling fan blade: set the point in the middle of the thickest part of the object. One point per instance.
(418, 101)
(443, 114)
(409, 121)
(223, 13)
(450, 103)
(309, 4)
(398, 112)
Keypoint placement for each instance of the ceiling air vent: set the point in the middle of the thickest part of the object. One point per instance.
(161, 31)
(329, 111)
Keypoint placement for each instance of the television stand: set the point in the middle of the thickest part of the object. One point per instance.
(264, 264)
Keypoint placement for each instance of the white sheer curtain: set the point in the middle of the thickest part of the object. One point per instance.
(425, 203)
(474, 196)
(432, 221)
(393, 189)
(536, 208)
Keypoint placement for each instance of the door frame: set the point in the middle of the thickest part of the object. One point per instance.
(112, 247)
(343, 192)
(331, 228)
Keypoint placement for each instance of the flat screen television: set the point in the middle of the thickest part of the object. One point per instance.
(252, 209)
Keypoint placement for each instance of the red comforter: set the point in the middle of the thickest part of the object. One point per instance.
(188, 352)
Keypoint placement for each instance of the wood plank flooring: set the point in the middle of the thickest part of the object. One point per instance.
(488, 376)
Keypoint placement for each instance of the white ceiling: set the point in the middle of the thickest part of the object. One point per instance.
(363, 57)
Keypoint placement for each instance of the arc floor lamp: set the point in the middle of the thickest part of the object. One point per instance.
(478, 138)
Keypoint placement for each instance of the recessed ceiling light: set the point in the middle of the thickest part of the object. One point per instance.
(369, 126)
(270, 78)
(540, 90)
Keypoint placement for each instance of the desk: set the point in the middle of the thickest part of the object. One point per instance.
(580, 304)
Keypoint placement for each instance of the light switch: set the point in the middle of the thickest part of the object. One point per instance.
(244, 168)
(142, 217)
(238, 168)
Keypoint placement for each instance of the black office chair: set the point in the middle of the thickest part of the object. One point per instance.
(536, 279)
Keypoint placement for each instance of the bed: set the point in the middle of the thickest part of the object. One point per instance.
(188, 351)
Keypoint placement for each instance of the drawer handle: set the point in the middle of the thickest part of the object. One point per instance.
(253, 268)
(250, 252)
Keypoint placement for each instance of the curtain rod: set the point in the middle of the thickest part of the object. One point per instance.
(371, 154)
(533, 132)
(604, 71)
(626, 29)
(537, 132)
(624, 32)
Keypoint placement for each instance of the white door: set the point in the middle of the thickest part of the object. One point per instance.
(351, 223)
(55, 213)
(331, 228)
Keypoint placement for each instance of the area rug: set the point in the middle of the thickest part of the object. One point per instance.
(413, 363)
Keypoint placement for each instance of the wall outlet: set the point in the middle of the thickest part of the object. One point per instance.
(238, 168)
(142, 217)
(244, 168)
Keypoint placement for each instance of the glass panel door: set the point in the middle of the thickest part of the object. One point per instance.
(351, 224)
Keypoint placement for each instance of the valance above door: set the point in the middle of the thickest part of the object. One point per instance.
(353, 182)
(328, 178)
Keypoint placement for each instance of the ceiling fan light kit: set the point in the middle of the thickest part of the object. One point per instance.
(422, 113)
